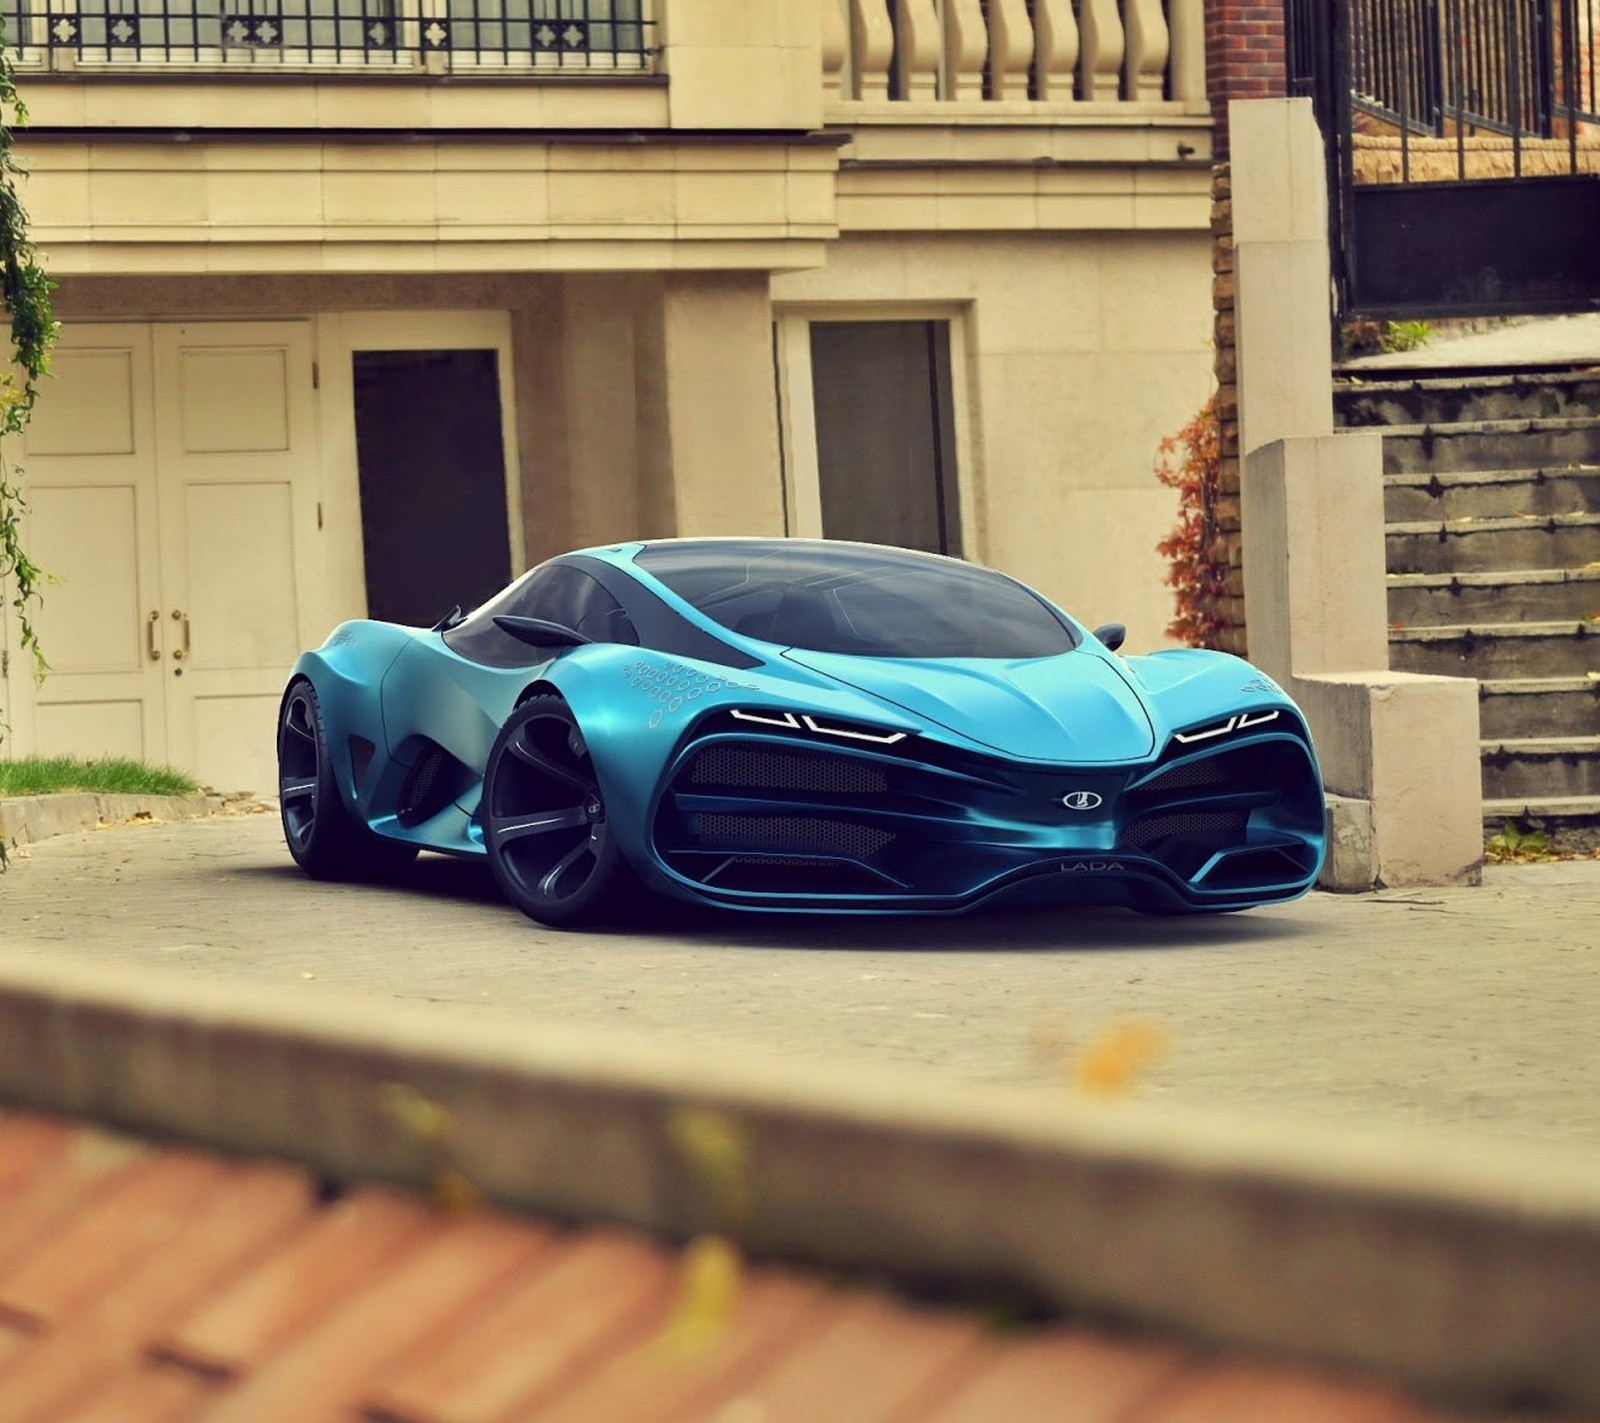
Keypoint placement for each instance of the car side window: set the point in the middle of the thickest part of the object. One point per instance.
(558, 593)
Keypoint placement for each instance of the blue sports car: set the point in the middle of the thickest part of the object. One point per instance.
(790, 724)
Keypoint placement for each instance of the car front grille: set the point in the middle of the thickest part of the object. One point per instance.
(739, 766)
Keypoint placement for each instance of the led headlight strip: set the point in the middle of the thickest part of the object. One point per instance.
(1222, 728)
(790, 722)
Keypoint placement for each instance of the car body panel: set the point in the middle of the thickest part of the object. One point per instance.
(1074, 708)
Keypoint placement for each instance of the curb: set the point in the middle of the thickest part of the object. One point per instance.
(1453, 1265)
(26, 819)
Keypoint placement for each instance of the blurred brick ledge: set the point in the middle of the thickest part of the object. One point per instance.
(1444, 1266)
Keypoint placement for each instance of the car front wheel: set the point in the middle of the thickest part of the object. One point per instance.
(551, 845)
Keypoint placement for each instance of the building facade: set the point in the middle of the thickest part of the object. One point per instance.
(369, 305)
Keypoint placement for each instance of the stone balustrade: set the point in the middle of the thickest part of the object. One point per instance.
(1035, 52)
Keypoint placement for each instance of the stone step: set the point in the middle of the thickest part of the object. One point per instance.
(1533, 595)
(1554, 541)
(1541, 768)
(1513, 708)
(1492, 444)
(1438, 400)
(1498, 650)
(1490, 493)
(1570, 821)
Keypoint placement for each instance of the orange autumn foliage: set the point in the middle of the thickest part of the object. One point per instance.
(1197, 567)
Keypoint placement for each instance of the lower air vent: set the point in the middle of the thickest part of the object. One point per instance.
(1217, 827)
(427, 789)
(767, 874)
(771, 768)
(1272, 865)
(360, 758)
(791, 832)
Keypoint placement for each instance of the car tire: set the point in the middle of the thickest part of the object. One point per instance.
(326, 840)
(551, 846)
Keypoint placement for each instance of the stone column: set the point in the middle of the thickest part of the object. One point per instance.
(1399, 752)
(715, 411)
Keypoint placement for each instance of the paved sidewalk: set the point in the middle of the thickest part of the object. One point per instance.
(1554, 340)
(1470, 1008)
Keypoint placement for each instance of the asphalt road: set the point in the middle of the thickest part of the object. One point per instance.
(1475, 1008)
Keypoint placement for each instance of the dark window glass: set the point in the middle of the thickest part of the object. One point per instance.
(859, 599)
(556, 592)
(432, 473)
(886, 433)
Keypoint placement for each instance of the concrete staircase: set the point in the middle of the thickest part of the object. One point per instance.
(1492, 496)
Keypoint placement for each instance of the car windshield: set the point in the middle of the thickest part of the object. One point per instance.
(858, 599)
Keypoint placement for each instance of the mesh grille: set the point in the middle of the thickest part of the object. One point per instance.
(422, 796)
(792, 832)
(770, 769)
(1221, 827)
(1196, 775)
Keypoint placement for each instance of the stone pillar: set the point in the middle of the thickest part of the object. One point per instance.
(733, 64)
(718, 422)
(1399, 752)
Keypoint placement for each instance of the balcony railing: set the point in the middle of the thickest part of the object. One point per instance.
(943, 51)
(431, 35)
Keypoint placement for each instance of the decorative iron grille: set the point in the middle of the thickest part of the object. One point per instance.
(1442, 68)
(1461, 144)
(521, 34)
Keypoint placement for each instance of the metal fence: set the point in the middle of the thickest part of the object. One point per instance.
(522, 34)
(1505, 66)
(1441, 68)
(1463, 150)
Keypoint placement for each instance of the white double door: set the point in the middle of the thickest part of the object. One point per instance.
(171, 477)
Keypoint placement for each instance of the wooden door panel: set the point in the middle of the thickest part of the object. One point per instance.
(89, 477)
(237, 457)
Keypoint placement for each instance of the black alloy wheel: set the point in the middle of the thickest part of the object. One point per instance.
(550, 843)
(324, 838)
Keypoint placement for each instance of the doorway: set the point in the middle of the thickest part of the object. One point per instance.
(432, 471)
(872, 418)
(420, 462)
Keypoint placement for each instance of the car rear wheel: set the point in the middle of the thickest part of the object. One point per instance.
(550, 842)
(324, 838)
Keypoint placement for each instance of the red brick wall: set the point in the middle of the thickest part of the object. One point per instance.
(1244, 58)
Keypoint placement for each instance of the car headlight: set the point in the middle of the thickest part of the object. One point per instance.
(820, 726)
(1242, 722)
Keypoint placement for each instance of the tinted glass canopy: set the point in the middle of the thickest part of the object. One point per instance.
(858, 599)
(556, 592)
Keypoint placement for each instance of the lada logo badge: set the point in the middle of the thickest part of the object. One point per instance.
(1081, 800)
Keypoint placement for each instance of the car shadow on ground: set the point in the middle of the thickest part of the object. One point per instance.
(1057, 927)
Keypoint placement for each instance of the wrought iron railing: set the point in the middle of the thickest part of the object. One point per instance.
(1448, 68)
(515, 34)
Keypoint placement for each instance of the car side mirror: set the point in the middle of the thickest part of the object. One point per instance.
(538, 632)
(1112, 634)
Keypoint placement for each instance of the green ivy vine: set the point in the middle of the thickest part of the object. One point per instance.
(25, 291)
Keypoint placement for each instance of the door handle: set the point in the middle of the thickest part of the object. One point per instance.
(150, 635)
(182, 618)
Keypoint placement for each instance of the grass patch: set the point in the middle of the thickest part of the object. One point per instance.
(46, 775)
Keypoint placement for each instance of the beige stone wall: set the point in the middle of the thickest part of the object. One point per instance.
(306, 205)
(1083, 351)
(1378, 158)
(646, 409)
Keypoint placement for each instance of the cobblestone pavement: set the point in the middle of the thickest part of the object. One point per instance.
(1474, 1008)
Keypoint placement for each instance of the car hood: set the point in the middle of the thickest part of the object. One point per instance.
(1076, 707)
